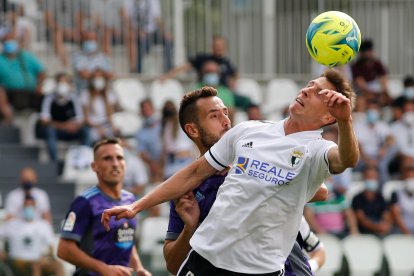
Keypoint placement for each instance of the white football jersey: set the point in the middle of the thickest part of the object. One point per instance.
(255, 219)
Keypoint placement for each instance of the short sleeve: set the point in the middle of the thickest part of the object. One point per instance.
(175, 224)
(77, 220)
(221, 154)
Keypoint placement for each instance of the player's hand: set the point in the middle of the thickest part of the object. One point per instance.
(117, 270)
(339, 106)
(143, 272)
(187, 208)
(119, 212)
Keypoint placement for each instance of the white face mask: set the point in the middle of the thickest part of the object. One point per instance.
(63, 89)
(409, 185)
(408, 118)
(99, 83)
(409, 93)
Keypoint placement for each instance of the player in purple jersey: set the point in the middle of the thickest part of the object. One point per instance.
(197, 112)
(84, 242)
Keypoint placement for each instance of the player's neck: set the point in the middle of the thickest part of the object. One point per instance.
(293, 125)
(113, 191)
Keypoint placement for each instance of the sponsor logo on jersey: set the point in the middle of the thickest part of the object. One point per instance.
(242, 163)
(264, 171)
(199, 196)
(70, 222)
(124, 236)
(248, 145)
(295, 158)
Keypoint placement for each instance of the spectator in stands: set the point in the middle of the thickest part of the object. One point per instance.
(16, 23)
(5, 108)
(210, 76)
(218, 55)
(107, 17)
(27, 237)
(21, 75)
(15, 198)
(136, 176)
(407, 95)
(62, 19)
(178, 150)
(404, 131)
(149, 142)
(371, 209)
(402, 204)
(89, 60)
(334, 215)
(146, 29)
(84, 242)
(61, 117)
(376, 141)
(254, 112)
(98, 103)
(370, 75)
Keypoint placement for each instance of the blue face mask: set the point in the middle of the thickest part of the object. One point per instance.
(90, 46)
(409, 93)
(10, 46)
(28, 213)
(371, 185)
(211, 79)
(372, 116)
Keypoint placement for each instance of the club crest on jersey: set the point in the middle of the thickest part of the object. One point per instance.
(241, 166)
(295, 158)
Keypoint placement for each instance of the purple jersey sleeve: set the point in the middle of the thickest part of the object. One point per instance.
(77, 220)
(175, 225)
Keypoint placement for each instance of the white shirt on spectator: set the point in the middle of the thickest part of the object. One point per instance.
(15, 199)
(404, 137)
(27, 239)
(371, 138)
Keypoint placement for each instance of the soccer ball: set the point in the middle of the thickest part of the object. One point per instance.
(333, 38)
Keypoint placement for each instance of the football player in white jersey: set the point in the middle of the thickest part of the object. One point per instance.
(275, 170)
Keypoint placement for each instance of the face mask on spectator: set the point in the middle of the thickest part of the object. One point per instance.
(211, 79)
(90, 46)
(99, 83)
(372, 116)
(409, 93)
(409, 185)
(10, 46)
(27, 185)
(28, 213)
(63, 89)
(371, 185)
(408, 118)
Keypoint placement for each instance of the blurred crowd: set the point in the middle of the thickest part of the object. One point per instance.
(376, 197)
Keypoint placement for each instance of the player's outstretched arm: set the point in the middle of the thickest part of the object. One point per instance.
(183, 181)
(347, 153)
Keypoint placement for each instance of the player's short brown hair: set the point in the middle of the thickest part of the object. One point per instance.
(188, 112)
(341, 84)
(106, 141)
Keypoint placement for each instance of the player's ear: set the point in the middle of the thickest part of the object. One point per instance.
(93, 166)
(192, 130)
(328, 119)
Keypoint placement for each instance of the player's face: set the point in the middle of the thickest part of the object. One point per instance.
(308, 102)
(213, 120)
(109, 164)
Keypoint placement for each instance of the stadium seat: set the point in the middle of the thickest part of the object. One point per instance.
(167, 90)
(127, 122)
(395, 87)
(250, 88)
(129, 92)
(364, 254)
(333, 262)
(77, 168)
(279, 94)
(390, 187)
(398, 251)
(355, 188)
(151, 241)
(240, 116)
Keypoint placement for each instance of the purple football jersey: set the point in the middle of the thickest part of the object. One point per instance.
(205, 195)
(83, 225)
